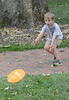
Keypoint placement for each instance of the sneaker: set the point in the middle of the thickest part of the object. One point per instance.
(54, 59)
(57, 63)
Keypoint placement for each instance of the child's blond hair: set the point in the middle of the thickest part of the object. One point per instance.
(49, 15)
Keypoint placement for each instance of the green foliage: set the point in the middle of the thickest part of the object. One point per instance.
(64, 43)
(36, 87)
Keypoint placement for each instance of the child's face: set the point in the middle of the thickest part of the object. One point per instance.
(49, 22)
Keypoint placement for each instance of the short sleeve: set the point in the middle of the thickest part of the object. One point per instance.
(43, 29)
(57, 31)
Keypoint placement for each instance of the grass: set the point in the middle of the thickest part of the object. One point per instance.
(22, 47)
(36, 87)
(64, 43)
(61, 10)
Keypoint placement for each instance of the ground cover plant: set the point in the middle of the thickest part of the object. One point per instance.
(36, 87)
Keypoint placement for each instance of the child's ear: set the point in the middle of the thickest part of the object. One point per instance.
(53, 20)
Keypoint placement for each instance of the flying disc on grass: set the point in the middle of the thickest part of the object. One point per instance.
(16, 76)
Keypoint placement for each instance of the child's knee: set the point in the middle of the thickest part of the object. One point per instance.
(50, 50)
(46, 48)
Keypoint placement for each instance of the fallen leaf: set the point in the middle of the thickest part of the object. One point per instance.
(40, 62)
(12, 89)
(6, 46)
(62, 51)
(14, 93)
(45, 74)
(56, 90)
(6, 88)
(19, 60)
(43, 54)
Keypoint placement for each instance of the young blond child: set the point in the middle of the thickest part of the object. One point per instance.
(54, 36)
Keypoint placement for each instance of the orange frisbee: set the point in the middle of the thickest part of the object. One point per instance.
(16, 76)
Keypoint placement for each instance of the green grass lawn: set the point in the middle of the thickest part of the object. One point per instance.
(61, 10)
(36, 87)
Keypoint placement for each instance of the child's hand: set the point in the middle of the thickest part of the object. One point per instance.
(33, 43)
(51, 45)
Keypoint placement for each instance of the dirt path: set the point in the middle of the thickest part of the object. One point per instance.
(32, 62)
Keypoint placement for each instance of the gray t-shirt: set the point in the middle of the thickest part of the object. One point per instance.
(54, 31)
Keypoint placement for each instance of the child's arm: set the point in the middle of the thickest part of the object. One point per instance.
(53, 40)
(37, 39)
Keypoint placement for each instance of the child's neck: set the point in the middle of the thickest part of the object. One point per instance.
(51, 26)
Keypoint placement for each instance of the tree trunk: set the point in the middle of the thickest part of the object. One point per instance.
(22, 13)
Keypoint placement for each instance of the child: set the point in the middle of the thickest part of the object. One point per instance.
(54, 37)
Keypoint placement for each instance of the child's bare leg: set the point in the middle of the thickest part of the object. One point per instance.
(47, 48)
(52, 50)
